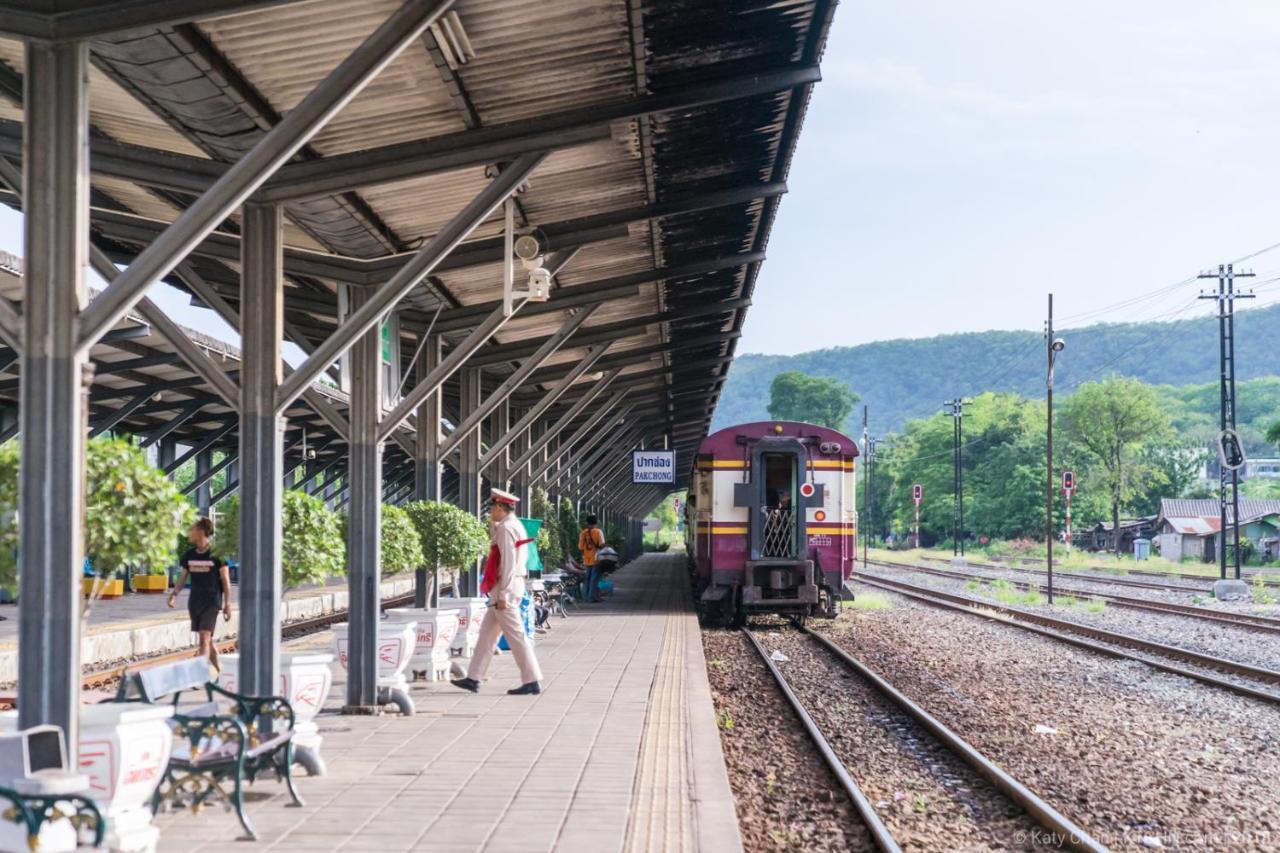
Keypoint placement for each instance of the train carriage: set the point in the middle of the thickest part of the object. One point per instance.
(771, 523)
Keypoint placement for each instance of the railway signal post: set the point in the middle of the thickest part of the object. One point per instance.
(1053, 346)
(1231, 454)
(917, 497)
(957, 513)
(1068, 487)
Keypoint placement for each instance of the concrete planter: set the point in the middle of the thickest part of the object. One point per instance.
(470, 613)
(305, 680)
(124, 749)
(151, 584)
(395, 649)
(104, 588)
(435, 632)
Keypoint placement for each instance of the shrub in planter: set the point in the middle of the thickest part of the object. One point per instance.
(451, 538)
(311, 549)
(550, 541)
(132, 510)
(9, 515)
(401, 545)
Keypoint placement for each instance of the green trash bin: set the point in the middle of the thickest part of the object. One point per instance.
(532, 526)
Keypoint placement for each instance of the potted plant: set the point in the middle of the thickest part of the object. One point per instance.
(132, 511)
(452, 539)
(401, 546)
(311, 548)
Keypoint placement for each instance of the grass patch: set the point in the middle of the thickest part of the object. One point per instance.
(973, 585)
(1007, 594)
(725, 720)
(1094, 605)
(871, 601)
(1263, 594)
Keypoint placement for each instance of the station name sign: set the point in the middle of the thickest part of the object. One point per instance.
(653, 466)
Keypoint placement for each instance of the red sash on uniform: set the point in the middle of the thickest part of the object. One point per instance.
(491, 566)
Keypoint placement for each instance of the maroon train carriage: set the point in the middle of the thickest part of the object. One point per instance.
(770, 522)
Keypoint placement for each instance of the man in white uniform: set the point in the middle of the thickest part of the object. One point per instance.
(510, 540)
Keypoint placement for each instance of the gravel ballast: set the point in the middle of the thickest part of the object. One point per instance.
(1141, 759)
(786, 797)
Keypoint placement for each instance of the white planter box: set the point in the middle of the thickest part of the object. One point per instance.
(305, 680)
(395, 649)
(435, 633)
(124, 749)
(470, 613)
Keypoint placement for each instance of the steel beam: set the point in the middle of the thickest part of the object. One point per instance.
(93, 20)
(502, 393)
(426, 460)
(364, 552)
(543, 439)
(498, 143)
(118, 415)
(500, 425)
(609, 409)
(184, 414)
(52, 405)
(209, 440)
(429, 385)
(499, 444)
(259, 163)
(419, 266)
(470, 498)
(261, 451)
(641, 354)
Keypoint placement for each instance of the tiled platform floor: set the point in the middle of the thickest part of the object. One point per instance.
(620, 752)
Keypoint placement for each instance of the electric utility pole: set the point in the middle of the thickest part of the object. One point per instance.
(864, 519)
(957, 513)
(1052, 347)
(1231, 453)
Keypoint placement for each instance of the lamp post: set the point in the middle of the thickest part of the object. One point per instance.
(1053, 346)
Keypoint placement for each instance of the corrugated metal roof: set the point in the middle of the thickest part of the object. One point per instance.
(211, 89)
(1208, 508)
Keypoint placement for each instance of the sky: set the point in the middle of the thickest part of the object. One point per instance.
(960, 161)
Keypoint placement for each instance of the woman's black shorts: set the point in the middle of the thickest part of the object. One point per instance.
(204, 619)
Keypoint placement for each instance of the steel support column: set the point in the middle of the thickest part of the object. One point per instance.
(204, 473)
(261, 450)
(499, 425)
(469, 496)
(426, 462)
(52, 405)
(364, 552)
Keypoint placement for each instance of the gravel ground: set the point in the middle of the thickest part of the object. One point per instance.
(1211, 638)
(787, 799)
(927, 797)
(1141, 759)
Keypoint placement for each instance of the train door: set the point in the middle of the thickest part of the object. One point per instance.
(778, 537)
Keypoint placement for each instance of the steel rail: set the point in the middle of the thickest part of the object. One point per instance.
(1045, 625)
(1269, 580)
(880, 835)
(1063, 828)
(1251, 621)
(1111, 579)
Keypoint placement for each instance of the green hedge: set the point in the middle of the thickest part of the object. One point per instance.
(451, 538)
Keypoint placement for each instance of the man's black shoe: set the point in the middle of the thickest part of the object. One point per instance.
(467, 684)
(532, 688)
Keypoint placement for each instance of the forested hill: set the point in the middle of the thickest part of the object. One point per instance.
(905, 379)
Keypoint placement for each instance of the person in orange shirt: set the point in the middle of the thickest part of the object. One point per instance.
(590, 541)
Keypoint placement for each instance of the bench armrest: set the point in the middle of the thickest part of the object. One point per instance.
(253, 711)
(199, 731)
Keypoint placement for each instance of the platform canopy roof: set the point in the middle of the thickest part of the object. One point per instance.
(670, 126)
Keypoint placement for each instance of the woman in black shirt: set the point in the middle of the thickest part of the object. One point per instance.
(210, 588)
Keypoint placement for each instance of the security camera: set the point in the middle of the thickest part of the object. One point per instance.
(311, 453)
(539, 284)
(1059, 345)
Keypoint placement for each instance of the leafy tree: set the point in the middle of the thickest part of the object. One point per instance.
(1273, 434)
(451, 537)
(401, 546)
(1113, 419)
(312, 547)
(550, 543)
(794, 396)
(9, 515)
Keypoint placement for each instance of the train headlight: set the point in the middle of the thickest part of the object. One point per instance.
(831, 448)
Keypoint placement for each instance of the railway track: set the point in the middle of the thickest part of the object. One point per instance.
(1266, 624)
(1267, 580)
(1110, 643)
(107, 678)
(1057, 825)
(1111, 579)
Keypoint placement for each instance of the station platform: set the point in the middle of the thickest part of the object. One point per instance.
(137, 625)
(620, 752)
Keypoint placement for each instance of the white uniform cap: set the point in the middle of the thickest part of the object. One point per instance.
(503, 497)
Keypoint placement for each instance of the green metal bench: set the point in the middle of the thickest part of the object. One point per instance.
(215, 745)
(34, 811)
